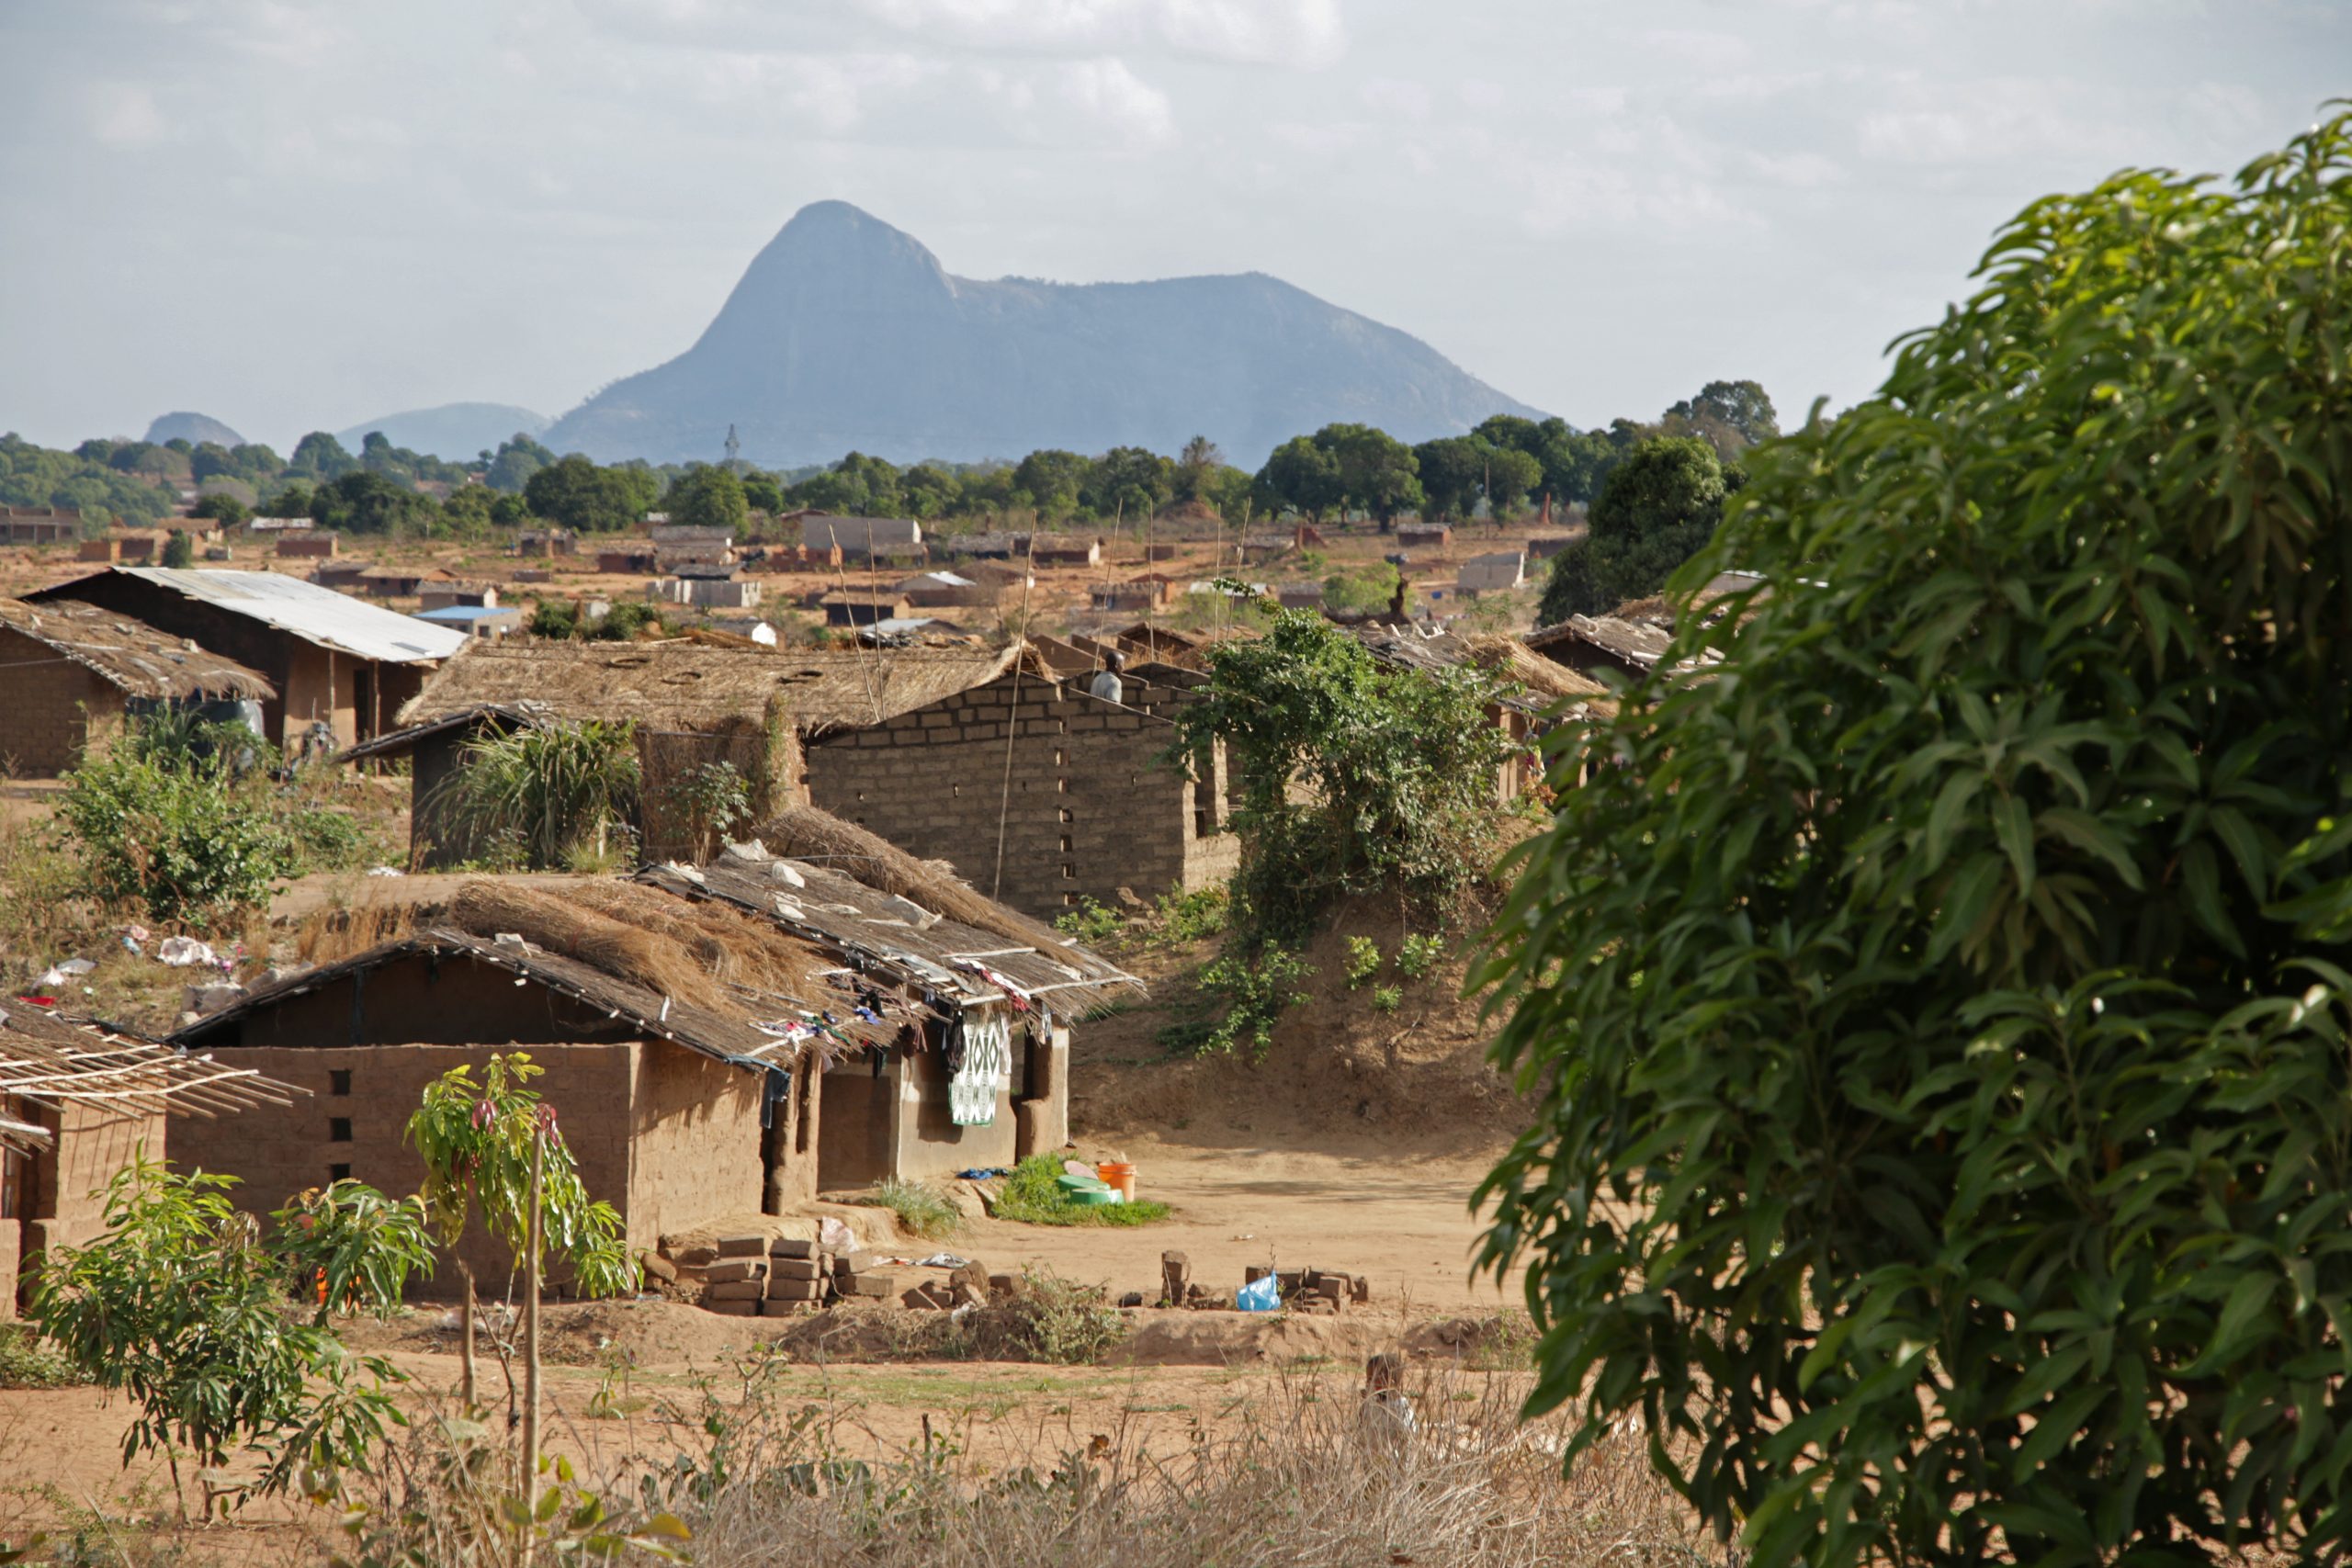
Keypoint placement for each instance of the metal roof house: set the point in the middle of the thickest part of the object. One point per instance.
(335, 662)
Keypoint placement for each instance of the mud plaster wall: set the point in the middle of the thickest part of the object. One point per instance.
(50, 707)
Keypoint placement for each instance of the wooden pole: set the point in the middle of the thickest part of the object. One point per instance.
(531, 1347)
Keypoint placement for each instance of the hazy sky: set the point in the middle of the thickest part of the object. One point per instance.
(295, 215)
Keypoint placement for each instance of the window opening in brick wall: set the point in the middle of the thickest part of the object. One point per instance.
(1065, 843)
(338, 1129)
(1068, 815)
(1061, 757)
(1069, 898)
(1069, 872)
(338, 1173)
(1061, 786)
(339, 1080)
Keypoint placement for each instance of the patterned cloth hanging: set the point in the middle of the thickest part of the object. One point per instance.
(985, 1070)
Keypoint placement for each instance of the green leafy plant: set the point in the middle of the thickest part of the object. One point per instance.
(1243, 996)
(476, 1141)
(27, 1360)
(1964, 1178)
(1388, 999)
(1419, 954)
(1190, 916)
(1063, 1322)
(921, 1207)
(187, 1304)
(560, 791)
(1356, 777)
(169, 819)
(1091, 922)
(711, 800)
(1364, 961)
(1033, 1195)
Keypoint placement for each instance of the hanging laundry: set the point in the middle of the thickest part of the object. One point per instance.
(985, 1072)
(1012, 992)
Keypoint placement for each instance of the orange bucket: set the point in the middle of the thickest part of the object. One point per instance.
(1120, 1175)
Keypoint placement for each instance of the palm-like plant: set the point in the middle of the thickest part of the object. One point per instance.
(560, 791)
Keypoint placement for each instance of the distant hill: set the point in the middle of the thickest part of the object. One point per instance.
(195, 428)
(453, 432)
(846, 335)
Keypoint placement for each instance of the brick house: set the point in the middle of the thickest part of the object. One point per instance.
(71, 674)
(77, 1101)
(864, 540)
(687, 1101)
(330, 660)
(39, 525)
(1092, 806)
(753, 707)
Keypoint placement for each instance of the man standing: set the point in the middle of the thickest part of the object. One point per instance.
(1106, 683)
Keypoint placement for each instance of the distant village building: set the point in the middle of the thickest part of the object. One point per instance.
(1587, 643)
(277, 525)
(1059, 549)
(308, 544)
(863, 540)
(862, 607)
(331, 660)
(949, 590)
(546, 542)
(491, 620)
(72, 673)
(1543, 546)
(1539, 695)
(441, 596)
(39, 525)
(1494, 573)
(709, 593)
(1423, 536)
(626, 561)
(681, 544)
(1147, 593)
(1259, 548)
(896, 1024)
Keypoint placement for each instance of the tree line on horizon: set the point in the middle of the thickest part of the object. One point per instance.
(1681, 468)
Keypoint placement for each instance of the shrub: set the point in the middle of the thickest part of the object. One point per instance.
(1061, 1321)
(711, 800)
(1420, 954)
(1091, 923)
(1364, 961)
(27, 1360)
(1388, 999)
(628, 622)
(166, 818)
(1033, 1196)
(1191, 917)
(1964, 1178)
(922, 1209)
(556, 791)
(1253, 993)
(1398, 766)
(184, 1304)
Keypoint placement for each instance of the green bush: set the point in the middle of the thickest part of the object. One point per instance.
(1033, 1195)
(1091, 923)
(1420, 954)
(1191, 917)
(559, 792)
(1248, 995)
(1398, 766)
(1364, 961)
(184, 1304)
(166, 819)
(1388, 999)
(27, 1360)
(1965, 1181)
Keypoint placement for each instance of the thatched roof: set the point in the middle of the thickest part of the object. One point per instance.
(130, 655)
(854, 905)
(692, 686)
(1545, 683)
(627, 966)
(52, 1061)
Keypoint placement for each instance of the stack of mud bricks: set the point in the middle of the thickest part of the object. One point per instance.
(1315, 1290)
(753, 1276)
(971, 1285)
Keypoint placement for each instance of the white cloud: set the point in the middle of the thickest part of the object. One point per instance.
(1302, 33)
(1118, 101)
(124, 114)
(1409, 100)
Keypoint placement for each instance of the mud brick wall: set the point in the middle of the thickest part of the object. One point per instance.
(67, 1180)
(696, 1145)
(1090, 807)
(360, 1101)
(50, 706)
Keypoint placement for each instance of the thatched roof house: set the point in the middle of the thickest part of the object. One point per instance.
(77, 1100)
(71, 674)
(1536, 693)
(722, 1041)
(692, 701)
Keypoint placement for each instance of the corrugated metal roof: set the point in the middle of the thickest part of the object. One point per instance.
(315, 614)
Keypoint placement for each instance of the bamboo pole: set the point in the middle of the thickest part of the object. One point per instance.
(531, 1349)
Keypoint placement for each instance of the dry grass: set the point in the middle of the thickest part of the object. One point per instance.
(1304, 1475)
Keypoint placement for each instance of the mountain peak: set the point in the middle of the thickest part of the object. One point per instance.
(846, 333)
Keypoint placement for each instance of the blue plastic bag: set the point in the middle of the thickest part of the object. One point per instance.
(1259, 1295)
